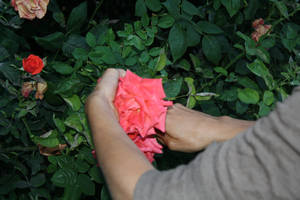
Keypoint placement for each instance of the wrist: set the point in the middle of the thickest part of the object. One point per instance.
(100, 110)
(230, 127)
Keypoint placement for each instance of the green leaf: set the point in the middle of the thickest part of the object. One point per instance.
(59, 18)
(153, 5)
(258, 68)
(217, 4)
(177, 42)
(86, 132)
(59, 124)
(144, 57)
(191, 102)
(162, 61)
(3, 53)
(95, 174)
(246, 38)
(21, 184)
(51, 42)
(49, 139)
(72, 192)
(73, 42)
(166, 21)
(192, 36)
(105, 195)
(173, 7)
(190, 83)
(173, 87)
(268, 43)
(283, 94)
(232, 6)
(247, 82)
(67, 86)
(209, 28)
(80, 54)
(184, 64)
(63, 161)
(241, 107)
(258, 51)
(250, 10)
(155, 51)
(263, 109)
(248, 96)
(86, 185)
(145, 21)
(62, 68)
(40, 193)
(211, 49)
(91, 39)
(135, 41)
(103, 54)
(73, 121)
(282, 8)
(196, 62)
(204, 96)
(263, 54)
(189, 8)
(229, 94)
(10, 73)
(221, 70)
(131, 61)
(64, 177)
(73, 101)
(140, 8)
(73, 141)
(86, 154)
(268, 97)
(77, 17)
(38, 180)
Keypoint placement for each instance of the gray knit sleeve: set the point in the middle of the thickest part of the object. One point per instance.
(261, 163)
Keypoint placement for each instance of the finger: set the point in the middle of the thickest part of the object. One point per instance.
(108, 84)
(109, 79)
(122, 72)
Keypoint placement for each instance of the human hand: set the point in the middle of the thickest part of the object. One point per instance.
(101, 99)
(190, 131)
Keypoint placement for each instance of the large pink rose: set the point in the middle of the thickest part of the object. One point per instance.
(141, 110)
(29, 9)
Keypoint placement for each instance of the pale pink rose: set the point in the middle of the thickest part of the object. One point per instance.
(29, 9)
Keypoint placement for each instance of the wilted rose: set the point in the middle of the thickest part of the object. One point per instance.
(260, 29)
(29, 9)
(33, 64)
(27, 88)
(50, 151)
(257, 22)
(141, 110)
(41, 88)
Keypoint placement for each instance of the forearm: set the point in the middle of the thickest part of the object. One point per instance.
(120, 160)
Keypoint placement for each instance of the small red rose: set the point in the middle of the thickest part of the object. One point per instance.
(33, 64)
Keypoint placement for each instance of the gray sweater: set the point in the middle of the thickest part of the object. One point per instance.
(261, 163)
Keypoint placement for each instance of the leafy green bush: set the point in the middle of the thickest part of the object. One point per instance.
(203, 50)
